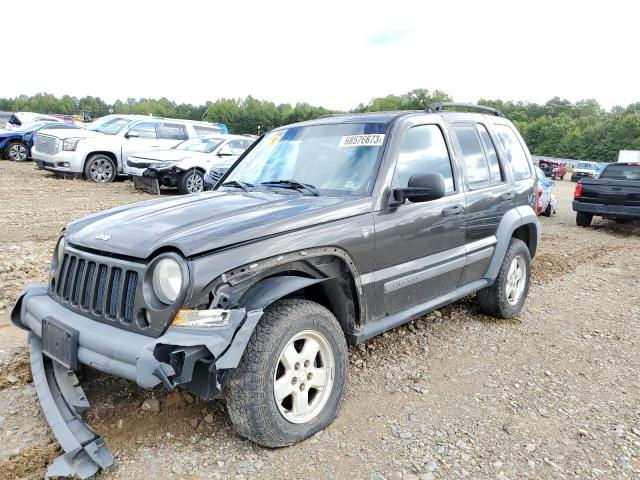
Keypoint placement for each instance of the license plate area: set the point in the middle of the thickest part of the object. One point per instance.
(60, 342)
(146, 184)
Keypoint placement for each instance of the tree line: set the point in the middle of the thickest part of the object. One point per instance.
(558, 128)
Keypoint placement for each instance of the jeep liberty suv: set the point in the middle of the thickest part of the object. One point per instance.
(323, 234)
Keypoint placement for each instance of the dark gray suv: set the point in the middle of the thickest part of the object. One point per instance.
(322, 235)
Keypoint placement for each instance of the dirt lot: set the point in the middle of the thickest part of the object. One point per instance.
(554, 393)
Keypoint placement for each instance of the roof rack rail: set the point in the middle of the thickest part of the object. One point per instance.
(440, 106)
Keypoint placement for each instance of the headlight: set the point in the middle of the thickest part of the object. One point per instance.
(167, 280)
(60, 249)
(70, 144)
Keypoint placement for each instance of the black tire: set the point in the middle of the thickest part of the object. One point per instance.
(250, 395)
(100, 168)
(622, 220)
(17, 151)
(583, 219)
(573, 179)
(547, 211)
(191, 181)
(494, 300)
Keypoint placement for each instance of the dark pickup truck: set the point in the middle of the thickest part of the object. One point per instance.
(615, 195)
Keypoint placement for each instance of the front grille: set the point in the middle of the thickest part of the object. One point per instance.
(46, 144)
(215, 174)
(97, 289)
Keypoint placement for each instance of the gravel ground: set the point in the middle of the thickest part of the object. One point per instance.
(554, 393)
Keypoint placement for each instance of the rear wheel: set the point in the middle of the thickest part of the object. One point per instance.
(191, 181)
(290, 380)
(17, 151)
(100, 168)
(583, 219)
(505, 298)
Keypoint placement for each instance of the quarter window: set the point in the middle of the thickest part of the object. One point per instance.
(475, 162)
(145, 129)
(423, 150)
(172, 131)
(515, 153)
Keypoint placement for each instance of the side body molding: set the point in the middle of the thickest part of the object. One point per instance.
(512, 220)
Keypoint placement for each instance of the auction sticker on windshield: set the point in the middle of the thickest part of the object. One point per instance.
(374, 140)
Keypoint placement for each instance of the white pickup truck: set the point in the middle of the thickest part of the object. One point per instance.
(98, 152)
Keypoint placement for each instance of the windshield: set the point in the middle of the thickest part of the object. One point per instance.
(586, 166)
(30, 126)
(200, 144)
(337, 159)
(622, 172)
(112, 126)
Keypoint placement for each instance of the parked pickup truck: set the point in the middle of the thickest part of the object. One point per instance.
(615, 195)
(254, 290)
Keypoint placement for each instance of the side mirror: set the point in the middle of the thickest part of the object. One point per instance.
(132, 134)
(225, 151)
(422, 187)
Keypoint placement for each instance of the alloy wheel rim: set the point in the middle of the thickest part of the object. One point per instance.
(303, 380)
(194, 183)
(516, 280)
(18, 153)
(101, 170)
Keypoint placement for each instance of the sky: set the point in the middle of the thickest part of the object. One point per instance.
(335, 54)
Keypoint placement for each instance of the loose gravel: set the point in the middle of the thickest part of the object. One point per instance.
(554, 393)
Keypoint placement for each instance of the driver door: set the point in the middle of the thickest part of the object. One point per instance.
(419, 252)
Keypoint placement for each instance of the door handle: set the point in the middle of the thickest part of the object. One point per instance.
(508, 196)
(455, 210)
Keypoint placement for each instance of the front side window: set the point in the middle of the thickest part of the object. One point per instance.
(145, 129)
(475, 162)
(171, 131)
(515, 153)
(423, 150)
(336, 159)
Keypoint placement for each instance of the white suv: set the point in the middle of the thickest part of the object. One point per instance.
(98, 152)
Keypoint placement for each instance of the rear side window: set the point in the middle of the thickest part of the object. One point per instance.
(621, 172)
(423, 150)
(515, 153)
(492, 157)
(145, 129)
(475, 162)
(172, 131)
(200, 130)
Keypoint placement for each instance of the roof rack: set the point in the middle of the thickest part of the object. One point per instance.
(440, 106)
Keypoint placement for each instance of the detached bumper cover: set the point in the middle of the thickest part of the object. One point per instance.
(63, 403)
(606, 210)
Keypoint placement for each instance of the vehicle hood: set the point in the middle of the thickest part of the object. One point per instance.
(171, 155)
(72, 133)
(202, 222)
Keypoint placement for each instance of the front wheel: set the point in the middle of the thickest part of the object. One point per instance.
(505, 298)
(17, 151)
(291, 378)
(191, 181)
(100, 168)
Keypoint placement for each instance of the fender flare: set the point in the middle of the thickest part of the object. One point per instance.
(512, 220)
(267, 291)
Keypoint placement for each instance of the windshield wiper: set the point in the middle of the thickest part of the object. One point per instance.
(294, 185)
(235, 183)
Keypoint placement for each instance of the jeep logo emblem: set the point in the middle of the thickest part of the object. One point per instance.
(103, 236)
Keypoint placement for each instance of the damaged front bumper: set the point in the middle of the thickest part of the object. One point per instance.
(195, 359)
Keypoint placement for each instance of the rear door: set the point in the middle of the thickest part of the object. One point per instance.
(419, 253)
(489, 195)
(170, 134)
